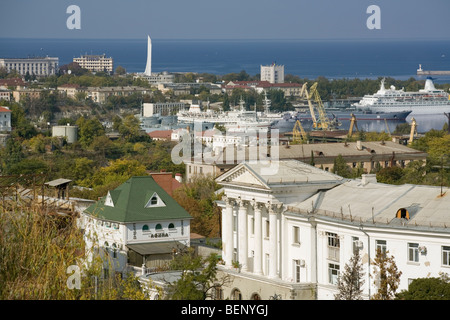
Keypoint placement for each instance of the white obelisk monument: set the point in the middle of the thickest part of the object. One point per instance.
(148, 67)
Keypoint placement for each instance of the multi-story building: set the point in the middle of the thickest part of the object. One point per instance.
(138, 225)
(101, 94)
(273, 73)
(5, 119)
(96, 63)
(289, 229)
(5, 94)
(44, 66)
(289, 89)
(162, 108)
(367, 155)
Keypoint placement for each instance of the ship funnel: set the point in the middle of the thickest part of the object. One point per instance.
(429, 85)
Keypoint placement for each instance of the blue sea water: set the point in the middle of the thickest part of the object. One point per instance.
(310, 59)
(304, 58)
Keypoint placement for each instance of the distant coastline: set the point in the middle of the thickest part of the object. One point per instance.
(332, 59)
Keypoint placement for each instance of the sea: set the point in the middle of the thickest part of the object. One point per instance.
(332, 59)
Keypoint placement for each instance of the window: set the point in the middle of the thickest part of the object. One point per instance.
(267, 229)
(154, 200)
(381, 245)
(171, 226)
(356, 244)
(333, 246)
(296, 235)
(297, 270)
(114, 246)
(333, 273)
(158, 227)
(413, 252)
(446, 256)
(145, 227)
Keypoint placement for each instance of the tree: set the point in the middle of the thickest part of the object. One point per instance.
(341, 168)
(387, 276)
(198, 277)
(198, 198)
(391, 175)
(427, 289)
(351, 280)
(89, 129)
(120, 70)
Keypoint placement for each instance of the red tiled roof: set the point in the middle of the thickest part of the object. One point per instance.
(166, 181)
(12, 82)
(3, 109)
(162, 134)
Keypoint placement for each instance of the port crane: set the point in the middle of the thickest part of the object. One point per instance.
(413, 130)
(352, 124)
(298, 133)
(323, 123)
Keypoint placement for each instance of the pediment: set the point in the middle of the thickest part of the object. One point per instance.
(242, 175)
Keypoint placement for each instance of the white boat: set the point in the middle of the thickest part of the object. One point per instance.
(237, 120)
(425, 101)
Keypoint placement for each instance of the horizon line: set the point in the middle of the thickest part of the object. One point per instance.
(230, 39)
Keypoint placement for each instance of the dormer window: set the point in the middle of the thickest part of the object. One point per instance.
(155, 201)
(108, 201)
(402, 214)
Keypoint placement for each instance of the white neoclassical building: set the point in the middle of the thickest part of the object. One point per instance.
(293, 230)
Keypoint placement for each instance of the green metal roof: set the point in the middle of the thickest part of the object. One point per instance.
(130, 199)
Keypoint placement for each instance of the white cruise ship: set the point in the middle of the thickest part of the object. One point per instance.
(239, 120)
(425, 101)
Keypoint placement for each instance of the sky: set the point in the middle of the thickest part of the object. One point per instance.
(226, 19)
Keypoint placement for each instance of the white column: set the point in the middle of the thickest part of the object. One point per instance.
(227, 232)
(243, 234)
(273, 235)
(257, 260)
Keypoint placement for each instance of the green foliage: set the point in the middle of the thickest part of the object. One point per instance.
(341, 168)
(198, 277)
(198, 198)
(36, 251)
(427, 289)
(88, 130)
(351, 279)
(387, 276)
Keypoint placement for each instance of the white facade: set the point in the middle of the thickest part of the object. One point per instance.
(293, 232)
(114, 237)
(38, 66)
(96, 63)
(5, 119)
(273, 73)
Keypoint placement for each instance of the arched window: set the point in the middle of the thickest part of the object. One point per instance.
(256, 296)
(154, 200)
(403, 214)
(145, 227)
(158, 227)
(236, 294)
(171, 226)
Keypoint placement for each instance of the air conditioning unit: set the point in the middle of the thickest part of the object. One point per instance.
(423, 250)
(359, 244)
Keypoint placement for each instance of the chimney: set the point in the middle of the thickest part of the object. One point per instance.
(368, 178)
(178, 177)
